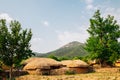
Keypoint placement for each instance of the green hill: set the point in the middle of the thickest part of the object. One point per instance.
(69, 50)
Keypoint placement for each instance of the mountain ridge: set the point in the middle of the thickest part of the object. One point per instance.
(70, 50)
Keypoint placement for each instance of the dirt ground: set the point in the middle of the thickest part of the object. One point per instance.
(99, 74)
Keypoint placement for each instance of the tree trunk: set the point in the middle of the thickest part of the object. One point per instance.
(11, 73)
(99, 61)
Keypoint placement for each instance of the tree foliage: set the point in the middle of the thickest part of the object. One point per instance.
(14, 43)
(58, 58)
(103, 41)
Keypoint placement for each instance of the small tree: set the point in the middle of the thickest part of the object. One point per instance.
(14, 44)
(103, 41)
(53, 57)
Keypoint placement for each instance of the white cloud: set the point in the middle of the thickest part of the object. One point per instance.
(89, 5)
(42, 45)
(106, 9)
(89, 1)
(6, 16)
(113, 12)
(36, 39)
(66, 37)
(45, 23)
(36, 43)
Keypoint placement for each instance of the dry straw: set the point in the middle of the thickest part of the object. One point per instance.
(74, 63)
(41, 63)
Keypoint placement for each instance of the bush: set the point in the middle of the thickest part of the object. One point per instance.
(63, 58)
(53, 57)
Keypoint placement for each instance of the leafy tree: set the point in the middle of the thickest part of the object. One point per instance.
(14, 44)
(64, 58)
(53, 57)
(103, 41)
(58, 58)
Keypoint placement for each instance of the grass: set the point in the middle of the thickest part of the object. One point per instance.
(99, 75)
(88, 76)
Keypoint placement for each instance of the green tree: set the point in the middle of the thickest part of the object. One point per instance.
(53, 57)
(103, 41)
(14, 44)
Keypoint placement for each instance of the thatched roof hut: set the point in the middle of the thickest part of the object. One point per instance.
(42, 61)
(76, 66)
(36, 64)
(41, 66)
(74, 63)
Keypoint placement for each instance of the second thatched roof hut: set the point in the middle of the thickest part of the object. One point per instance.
(74, 63)
(76, 66)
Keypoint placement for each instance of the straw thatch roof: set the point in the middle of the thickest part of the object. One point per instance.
(5, 67)
(29, 60)
(36, 65)
(74, 63)
(118, 61)
(41, 63)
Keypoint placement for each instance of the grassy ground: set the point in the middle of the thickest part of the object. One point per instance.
(100, 74)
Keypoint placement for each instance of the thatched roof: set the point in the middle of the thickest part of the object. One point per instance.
(74, 63)
(42, 63)
(118, 61)
(36, 65)
(29, 60)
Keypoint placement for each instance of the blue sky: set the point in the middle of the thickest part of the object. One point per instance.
(55, 23)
